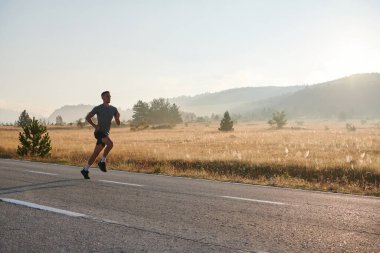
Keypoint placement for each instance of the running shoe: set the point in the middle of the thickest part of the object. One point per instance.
(102, 166)
(85, 173)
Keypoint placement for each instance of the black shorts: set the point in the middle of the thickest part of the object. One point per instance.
(99, 135)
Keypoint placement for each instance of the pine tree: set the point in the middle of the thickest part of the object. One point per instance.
(35, 140)
(226, 124)
(140, 113)
(24, 119)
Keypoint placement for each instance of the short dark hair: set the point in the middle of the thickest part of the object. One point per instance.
(105, 92)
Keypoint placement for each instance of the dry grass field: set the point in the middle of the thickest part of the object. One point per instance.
(320, 155)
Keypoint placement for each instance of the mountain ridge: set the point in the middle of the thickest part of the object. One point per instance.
(219, 102)
(352, 96)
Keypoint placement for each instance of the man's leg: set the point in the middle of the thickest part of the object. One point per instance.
(109, 145)
(97, 150)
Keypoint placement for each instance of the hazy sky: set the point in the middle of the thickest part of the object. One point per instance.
(54, 53)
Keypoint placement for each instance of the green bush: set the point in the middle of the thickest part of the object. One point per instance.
(278, 119)
(34, 139)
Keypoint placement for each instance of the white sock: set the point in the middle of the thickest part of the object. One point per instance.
(103, 159)
(86, 167)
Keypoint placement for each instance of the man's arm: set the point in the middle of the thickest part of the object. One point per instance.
(89, 119)
(117, 118)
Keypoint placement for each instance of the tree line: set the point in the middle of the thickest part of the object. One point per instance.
(157, 112)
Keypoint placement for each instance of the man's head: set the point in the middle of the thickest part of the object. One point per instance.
(106, 96)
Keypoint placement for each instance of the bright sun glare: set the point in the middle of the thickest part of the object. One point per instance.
(347, 57)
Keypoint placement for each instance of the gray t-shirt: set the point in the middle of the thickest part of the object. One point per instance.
(104, 115)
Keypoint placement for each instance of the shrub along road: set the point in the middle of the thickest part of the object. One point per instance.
(48, 207)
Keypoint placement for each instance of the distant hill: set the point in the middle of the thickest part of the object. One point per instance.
(219, 102)
(71, 113)
(356, 96)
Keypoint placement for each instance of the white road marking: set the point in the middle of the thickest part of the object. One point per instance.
(74, 214)
(114, 182)
(255, 200)
(40, 172)
(41, 207)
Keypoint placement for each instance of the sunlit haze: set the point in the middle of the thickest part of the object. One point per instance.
(56, 53)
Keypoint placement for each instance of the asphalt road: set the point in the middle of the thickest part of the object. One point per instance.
(50, 208)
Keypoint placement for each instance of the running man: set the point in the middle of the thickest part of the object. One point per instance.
(104, 112)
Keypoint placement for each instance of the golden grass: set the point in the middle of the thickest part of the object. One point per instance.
(311, 157)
